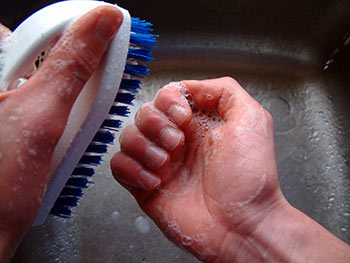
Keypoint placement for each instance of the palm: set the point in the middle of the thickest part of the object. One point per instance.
(200, 191)
(214, 183)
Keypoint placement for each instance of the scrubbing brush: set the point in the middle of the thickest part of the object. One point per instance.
(94, 116)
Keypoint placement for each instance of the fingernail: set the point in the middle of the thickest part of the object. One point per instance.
(170, 138)
(108, 23)
(178, 114)
(155, 157)
(148, 181)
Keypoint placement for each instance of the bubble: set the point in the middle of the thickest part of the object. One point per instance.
(115, 215)
(21, 163)
(12, 119)
(26, 133)
(32, 152)
(142, 224)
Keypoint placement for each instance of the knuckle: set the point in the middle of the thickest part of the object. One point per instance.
(230, 80)
(86, 63)
(268, 116)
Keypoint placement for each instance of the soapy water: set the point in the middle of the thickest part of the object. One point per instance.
(199, 243)
(205, 119)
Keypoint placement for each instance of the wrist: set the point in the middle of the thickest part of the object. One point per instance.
(278, 232)
(288, 235)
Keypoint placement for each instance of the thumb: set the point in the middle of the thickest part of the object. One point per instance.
(75, 57)
(4, 33)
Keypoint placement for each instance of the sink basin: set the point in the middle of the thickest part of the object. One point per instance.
(291, 56)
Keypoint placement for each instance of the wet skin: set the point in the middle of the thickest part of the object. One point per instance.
(200, 161)
(209, 181)
(33, 118)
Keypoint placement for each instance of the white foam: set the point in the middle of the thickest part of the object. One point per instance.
(5, 43)
(253, 196)
(206, 120)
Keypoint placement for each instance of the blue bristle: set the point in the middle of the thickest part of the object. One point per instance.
(97, 148)
(90, 159)
(141, 43)
(119, 110)
(71, 191)
(131, 85)
(143, 40)
(112, 124)
(126, 98)
(140, 54)
(103, 137)
(140, 26)
(81, 182)
(86, 171)
(62, 209)
(136, 70)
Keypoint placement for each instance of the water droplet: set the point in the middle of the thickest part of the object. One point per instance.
(115, 215)
(21, 163)
(32, 152)
(12, 119)
(142, 224)
(331, 199)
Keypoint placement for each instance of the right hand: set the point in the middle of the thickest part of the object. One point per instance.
(207, 179)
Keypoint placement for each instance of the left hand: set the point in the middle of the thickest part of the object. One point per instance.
(34, 116)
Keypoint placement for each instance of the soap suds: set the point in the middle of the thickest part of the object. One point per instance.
(32, 152)
(252, 197)
(142, 224)
(198, 243)
(206, 119)
(26, 133)
(12, 119)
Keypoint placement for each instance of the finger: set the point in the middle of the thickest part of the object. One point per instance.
(4, 34)
(158, 128)
(171, 101)
(224, 95)
(127, 171)
(75, 57)
(134, 144)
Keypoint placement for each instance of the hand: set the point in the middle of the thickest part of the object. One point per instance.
(34, 115)
(200, 161)
(209, 148)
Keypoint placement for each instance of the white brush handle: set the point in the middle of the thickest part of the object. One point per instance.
(94, 101)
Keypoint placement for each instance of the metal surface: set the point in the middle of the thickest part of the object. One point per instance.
(292, 56)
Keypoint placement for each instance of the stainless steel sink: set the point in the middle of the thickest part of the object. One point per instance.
(292, 56)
